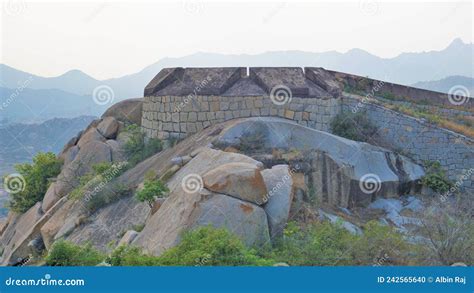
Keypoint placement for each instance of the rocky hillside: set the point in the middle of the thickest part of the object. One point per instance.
(250, 176)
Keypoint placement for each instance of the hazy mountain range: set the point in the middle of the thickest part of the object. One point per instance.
(20, 142)
(445, 84)
(70, 94)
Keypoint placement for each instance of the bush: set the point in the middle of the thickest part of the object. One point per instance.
(353, 126)
(96, 180)
(204, 246)
(136, 148)
(64, 253)
(131, 256)
(436, 178)
(152, 189)
(211, 247)
(106, 196)
(319, 244)
(380, 244)
(329, 244)
(449, 232)
(36, 175)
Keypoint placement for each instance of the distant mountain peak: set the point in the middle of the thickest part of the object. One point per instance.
(76, 73)
(457, 42)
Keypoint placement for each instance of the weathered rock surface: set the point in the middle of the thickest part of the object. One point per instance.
(128, 237)
(279, 184)
(91, 135)
(109, 223)
(108, 127)
(17, 230)
(129, 110)
(190, 205)
(91, 153)
(70, 154)
(334, 165)
(345, 173)
(118, 154)
(240, 180)
(183, 211)
(338, 220)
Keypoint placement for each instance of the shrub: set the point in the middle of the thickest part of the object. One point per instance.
(205, 246)
(449, 232)
(36, 175)
(136, 148)
(380, 244)
(435, 177)
(106, 196)
(97, 179)
(64, 253)
(327, 244)
(211, 247)
(319, 244)
(353, 126)
(152, 189)
(131, 256)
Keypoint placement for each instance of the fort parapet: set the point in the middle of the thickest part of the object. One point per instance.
(182, 101)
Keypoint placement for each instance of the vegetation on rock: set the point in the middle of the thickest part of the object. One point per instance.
(211, 246)
(152, 189)
(136, 148)
(328, 244)
(353, 126)
(64, 253)
(435, 177)
(36, 181)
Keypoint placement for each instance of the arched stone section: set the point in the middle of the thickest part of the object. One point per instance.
(182, 101)
(177, 116)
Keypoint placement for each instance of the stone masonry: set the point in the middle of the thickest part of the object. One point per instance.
(421, 140)
(179, 102)
(182, 101)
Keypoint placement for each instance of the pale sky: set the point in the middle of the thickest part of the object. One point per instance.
(109, 39)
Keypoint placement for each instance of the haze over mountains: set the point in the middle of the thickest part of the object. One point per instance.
(70, 94)
(445, 84)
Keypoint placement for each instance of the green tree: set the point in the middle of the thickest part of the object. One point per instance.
(152, 189)
(36, 175)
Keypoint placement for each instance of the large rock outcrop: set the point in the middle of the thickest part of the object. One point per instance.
(240, 180)
(344, 172)
(279, 184)
(204, 190)
(90, 147)
(129, 110)
(191, 205)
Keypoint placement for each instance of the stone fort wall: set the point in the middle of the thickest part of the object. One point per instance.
(177, 116)
(179, 102)
(421, 140)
